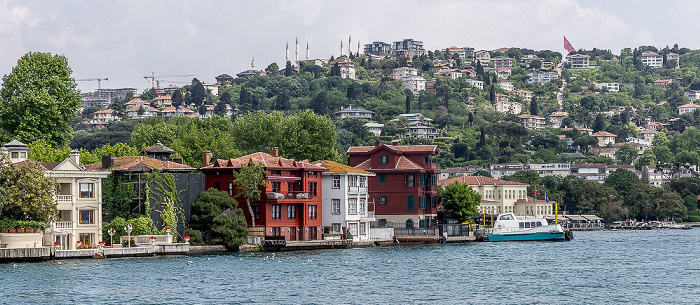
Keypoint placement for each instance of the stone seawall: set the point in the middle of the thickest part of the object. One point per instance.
(25, 254)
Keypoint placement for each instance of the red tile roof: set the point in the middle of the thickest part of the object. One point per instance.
(141, 163)
(478, 180)
(268, 161)
(405, 148)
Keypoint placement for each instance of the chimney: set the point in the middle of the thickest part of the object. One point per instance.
(274, 151)
(107, 161)
(206, 158)
(377, 143)
(395, 142)
(75, 156)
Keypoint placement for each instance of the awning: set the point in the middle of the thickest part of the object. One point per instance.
(281, 178)
(575, 217)
(592, 217)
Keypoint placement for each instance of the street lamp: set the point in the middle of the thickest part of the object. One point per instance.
(111, 236)
(128, 229)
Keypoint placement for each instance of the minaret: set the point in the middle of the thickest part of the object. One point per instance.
(286, 54)
(341, 47)
(296, 53)
(307, 50)
(349, 45)
(358, 48)
(252, 64)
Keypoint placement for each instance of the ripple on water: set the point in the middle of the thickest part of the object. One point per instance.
(596, 267)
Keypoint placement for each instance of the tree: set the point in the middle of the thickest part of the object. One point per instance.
(622, 180)
(626, 154)
(248, 180)
(482, 172)
(442, 117)
(197, 92)
(459, 200)
(320, 103)
(38, 99)
(670, 205)
(30, 195)
(218, 219)
(288, 71)
(599, 124)
(396, 128)
(220, 109)
(409, 99)
(272, 68)
(307, 135)
(534, 110)
(178, 99)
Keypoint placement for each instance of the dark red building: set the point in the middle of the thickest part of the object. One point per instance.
(290, 203)
(404, 188)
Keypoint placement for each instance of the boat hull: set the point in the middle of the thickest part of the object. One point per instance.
(528, 236)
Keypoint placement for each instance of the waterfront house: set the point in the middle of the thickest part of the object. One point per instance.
(78, 201)
(347, 206)
(290, 206)
(404, 186)
(502, 196)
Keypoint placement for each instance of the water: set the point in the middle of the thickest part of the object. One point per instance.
(641, 267)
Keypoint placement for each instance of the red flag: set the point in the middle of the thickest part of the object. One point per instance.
(536, 195)
(568, 46)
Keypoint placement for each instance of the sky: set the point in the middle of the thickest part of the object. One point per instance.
(127, 40)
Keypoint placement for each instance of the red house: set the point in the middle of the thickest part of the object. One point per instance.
(404, 188)
(290, 203)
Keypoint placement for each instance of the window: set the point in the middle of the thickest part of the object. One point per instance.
(87, 217)
(336, 182)
(87, 190)
(421, 203)
(313, 234)
(352, 181)
(410, 180)
(382, 178)
(276, 231)
(335, 228)
(411, 202)
(335, 206)
(427, 159)
(381, 199)
(276, 211)
(230, 188)
(313, 174)
(352, 206)
(312, 212)
(434, 202)
(363, 181)
(23, 155)
(291, 211)
(363, 206)
(256, 210)
(276, 187)
(217, 185)
(409, 224)
(423, 179)
(383, 159)
(15, 155)
(363, 228)
(382, 223)
(423, 223)
(312, 188)
(276, 173)
(86, 238)
(352, 229)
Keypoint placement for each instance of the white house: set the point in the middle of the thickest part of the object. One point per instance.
(414, 83)
(374, 128)
(79, 200)
(346, 204)
(402, 72)
(652, 59)
(476, 83)
(578, 61)
(687, 108)
(673, 56)
(541, 77)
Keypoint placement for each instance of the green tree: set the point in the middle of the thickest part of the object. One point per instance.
(272, 68)
(397, 128)
(288, 71)
(459, 200)
(38, 99)
(218, 220)
(482, 172)
(177, 98)
(30, 194)
(307, 135)
(249, 180)
(626, 154)
(670, 205)
(534, 109)
(622, 180)
(197, 92)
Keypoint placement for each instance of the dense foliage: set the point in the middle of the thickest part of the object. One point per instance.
(216, 219)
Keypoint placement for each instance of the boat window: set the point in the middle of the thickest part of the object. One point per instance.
(539, 223)
(506, 217)
(522, 225)
(527, 224)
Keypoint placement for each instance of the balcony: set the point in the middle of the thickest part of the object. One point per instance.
(289, 195)
(63, 225)
(64, 198)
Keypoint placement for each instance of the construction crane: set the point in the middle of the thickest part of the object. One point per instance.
(154, 79)
(99, 84)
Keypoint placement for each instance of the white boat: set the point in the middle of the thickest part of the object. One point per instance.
(508, 227)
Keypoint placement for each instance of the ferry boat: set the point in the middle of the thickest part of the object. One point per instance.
(507, 227)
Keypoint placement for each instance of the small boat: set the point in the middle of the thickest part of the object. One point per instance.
(507, 227)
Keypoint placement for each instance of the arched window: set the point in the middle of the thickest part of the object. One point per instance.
(409, 224)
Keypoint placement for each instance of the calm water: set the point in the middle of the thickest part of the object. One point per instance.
(639, 267)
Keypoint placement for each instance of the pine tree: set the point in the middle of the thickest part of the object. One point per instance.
(534, 109)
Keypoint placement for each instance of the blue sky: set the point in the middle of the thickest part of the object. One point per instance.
(126, 40)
